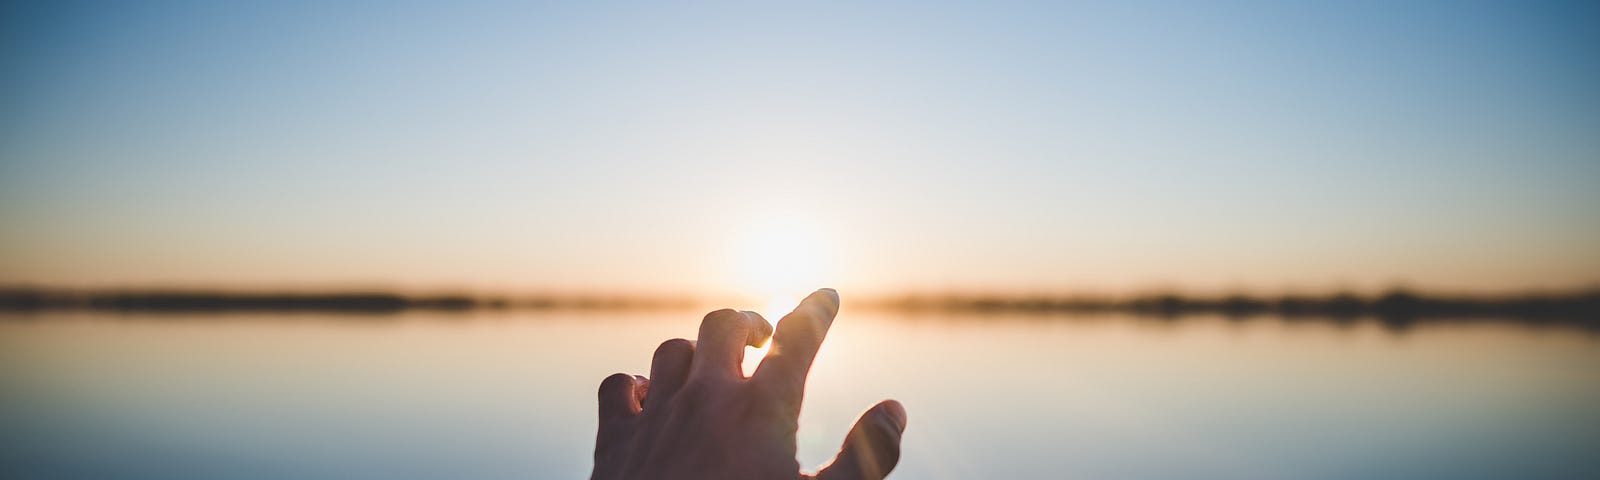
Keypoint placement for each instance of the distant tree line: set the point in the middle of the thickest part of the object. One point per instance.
(355, 302)
(1396, 306)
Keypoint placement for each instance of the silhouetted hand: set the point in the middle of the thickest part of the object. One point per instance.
(697, 417)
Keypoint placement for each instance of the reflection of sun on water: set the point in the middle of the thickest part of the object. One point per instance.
(782, 260)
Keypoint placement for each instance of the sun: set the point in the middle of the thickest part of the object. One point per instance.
(781, 260)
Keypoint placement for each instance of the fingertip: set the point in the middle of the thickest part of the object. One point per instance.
(669, 369)
(893, 411)
(674, 348)
(618, 395)
(872, 448)
(761, 332)
(830, 294)
(615, 382)
(824, 302)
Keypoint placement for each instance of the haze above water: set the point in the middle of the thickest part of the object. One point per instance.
(510, 395)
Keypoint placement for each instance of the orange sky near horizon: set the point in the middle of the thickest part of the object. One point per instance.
(765, 150)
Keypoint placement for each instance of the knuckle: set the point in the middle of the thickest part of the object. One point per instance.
(724, 318)
(722, 313)
(779, 392)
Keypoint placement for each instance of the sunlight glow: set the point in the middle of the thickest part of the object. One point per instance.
(776, 307)
(780, 261)
(778, 258)
(753, 356)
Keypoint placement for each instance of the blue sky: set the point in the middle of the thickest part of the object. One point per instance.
(991, 146)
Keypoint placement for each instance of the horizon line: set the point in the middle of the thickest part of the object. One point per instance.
(1580, 305)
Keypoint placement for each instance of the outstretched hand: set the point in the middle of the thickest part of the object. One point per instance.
(698, 417)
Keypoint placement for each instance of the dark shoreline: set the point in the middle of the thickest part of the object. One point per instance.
(1398, 303)
(1581, 307)
(16, 300)
(1397, 309)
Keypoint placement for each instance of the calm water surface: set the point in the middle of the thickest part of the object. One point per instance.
(510, 395)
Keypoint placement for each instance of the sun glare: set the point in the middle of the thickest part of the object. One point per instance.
(782, 260)
(774, 310)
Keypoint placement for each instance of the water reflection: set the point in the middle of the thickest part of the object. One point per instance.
(509, 395)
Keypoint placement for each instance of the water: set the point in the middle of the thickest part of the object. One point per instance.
(510, 395)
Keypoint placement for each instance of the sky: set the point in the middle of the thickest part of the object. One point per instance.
(754, 147)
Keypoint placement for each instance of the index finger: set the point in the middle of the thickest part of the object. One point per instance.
(794, 345)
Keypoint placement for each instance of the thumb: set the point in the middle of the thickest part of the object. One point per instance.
(872, 448)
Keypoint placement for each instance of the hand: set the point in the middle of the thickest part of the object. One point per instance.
(697, 417)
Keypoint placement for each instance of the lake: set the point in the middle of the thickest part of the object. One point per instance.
(492, 395)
